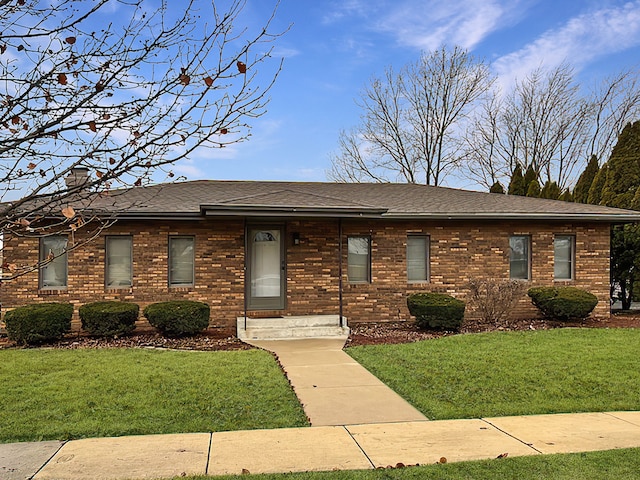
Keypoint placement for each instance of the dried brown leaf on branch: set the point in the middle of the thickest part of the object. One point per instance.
(208, 81)
(68, 212)
(70, 40)
(242, 67)
(92, 126)
(185, 79)
(31, 166)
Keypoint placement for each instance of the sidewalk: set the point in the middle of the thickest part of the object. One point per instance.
(347, 447)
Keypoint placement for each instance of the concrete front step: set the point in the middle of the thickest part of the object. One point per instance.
(292, 327)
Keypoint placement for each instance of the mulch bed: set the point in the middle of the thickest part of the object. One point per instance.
(373, 333)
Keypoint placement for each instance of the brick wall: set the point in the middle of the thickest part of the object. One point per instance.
(458, 251)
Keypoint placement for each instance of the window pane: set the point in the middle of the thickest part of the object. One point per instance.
(519, 257)
(181, 257)
(54, 273)
(266, 267)
(417, 258)
(358, 261)
(119, 268)
(563, 257)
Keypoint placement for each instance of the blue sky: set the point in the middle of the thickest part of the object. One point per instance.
(334, 47)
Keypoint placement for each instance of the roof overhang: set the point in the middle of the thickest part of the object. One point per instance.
(290, 211)
(570, 217)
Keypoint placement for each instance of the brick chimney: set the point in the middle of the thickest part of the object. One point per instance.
(78, 176)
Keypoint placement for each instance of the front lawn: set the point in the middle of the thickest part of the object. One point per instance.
(513, 373)
(68, 394)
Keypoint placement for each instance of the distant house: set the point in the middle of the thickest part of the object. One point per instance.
(278, 249)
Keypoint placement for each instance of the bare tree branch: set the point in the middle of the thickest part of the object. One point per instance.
(121, 88)
(412, 123)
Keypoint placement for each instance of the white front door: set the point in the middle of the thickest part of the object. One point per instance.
(266, 276)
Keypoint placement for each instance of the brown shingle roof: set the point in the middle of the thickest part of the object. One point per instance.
(386, 200)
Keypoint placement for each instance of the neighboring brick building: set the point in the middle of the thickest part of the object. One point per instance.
(285, 248)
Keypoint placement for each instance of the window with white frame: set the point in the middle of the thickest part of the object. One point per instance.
(53, 257)
(181, 261)
(520, 257)
(563, 257)
(359, 259)
(119, 262)
(417, 258)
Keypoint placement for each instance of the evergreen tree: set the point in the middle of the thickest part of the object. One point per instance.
(623, 175)
(530, 175)
(550, 190)
(517, 185)
(533, 190)
(581, 190)
(595, 191)
(620, 190)
(497, 188)
(567, 196)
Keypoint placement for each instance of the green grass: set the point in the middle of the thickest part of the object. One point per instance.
(513, 373)
(609, 465)
(68, 394)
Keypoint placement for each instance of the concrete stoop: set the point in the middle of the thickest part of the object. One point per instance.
(292, 327)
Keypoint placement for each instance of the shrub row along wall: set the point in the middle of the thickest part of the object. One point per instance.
(459, 251)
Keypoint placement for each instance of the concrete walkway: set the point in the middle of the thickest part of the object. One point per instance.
(333, 388)
(348, 447)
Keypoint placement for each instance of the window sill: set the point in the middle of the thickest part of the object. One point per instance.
(52, 290)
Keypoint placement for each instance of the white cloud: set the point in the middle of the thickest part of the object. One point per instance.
(581, 40)
(428, 25)
(347, 8)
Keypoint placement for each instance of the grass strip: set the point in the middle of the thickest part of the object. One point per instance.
(621, 464)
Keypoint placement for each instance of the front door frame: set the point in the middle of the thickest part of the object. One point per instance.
(265, 303)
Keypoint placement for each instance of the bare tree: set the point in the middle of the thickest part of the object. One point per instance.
(412, 122)
(119, 89)
(547, 121)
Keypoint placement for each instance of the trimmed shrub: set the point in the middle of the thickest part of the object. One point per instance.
(563, 303)
(109, 319)
(38, 323)
(436, 310)
(178, 317)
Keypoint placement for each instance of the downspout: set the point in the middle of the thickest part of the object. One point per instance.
(246, 247)
(340, 269)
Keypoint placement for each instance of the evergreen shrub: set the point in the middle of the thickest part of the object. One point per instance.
(563, 303)
(178, 317)
(109, 319)
(38, 323)
(436, 310)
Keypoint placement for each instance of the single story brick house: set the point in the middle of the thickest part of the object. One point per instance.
(278, 249)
